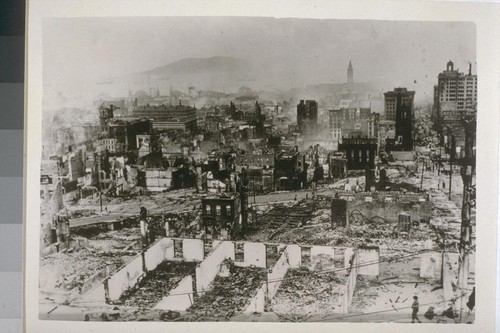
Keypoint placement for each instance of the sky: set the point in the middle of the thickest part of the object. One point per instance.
(77, 52)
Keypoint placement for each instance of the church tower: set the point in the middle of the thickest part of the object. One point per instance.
(350, 74)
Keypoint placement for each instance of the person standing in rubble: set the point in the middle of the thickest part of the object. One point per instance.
(414, 308)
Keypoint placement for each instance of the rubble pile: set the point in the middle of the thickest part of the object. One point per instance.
(304, 293)
(65, 271)
(122, 314)
(70, 269)
(157, 284)
(180, 225)
(321, 216)
(228, 296)
(114, 241)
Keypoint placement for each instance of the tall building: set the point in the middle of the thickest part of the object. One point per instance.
(307, 116)
(455, 96)
(350, 73)
(457, 90)
(335, 124)
(399, 107)
(394, 99)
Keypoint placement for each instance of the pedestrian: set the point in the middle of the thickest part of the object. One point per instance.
(414, 308)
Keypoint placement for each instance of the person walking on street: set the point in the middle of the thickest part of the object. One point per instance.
(414, 308)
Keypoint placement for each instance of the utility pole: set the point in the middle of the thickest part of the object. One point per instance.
(243, 200)
(452, 158)
(253, 187)
(467, 172)
(422, 176)
(99, 178)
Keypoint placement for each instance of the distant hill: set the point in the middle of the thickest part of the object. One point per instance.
(195, 66)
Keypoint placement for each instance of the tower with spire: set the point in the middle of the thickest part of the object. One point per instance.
(350, 73)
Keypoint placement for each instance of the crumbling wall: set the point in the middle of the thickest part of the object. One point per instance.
(154, 255)
(449, 278)
(294, 257)
(348, 256)
(350, 285)
(368, 261)
(179, 298)
(276, 275)
(322, 258)
(388, 210)
(210, 267)
(258, 303)
(125, 278)
(95, 296)
(254, 254)
(193, 250)
(168, 244)
(431, 264)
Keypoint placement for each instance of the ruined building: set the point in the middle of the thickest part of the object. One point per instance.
(360, 152)
(307, 116)
(221, 216)
(290, 170)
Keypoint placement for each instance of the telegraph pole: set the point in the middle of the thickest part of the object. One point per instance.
(452, 158)
(99, 178)
(243, 189)
(467, 172)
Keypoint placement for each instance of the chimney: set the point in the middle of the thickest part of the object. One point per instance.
(470, 68)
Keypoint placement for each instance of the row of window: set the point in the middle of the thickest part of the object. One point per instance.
(218, 210)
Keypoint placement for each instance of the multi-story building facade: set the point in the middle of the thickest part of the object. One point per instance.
(394, 99)
(335, 124)
(457, 90)
(360, 152)
(399, 107)
(168, 117)
(307, 116)
(290, 170)
(347, 122)
(455, 97)
(221, 216)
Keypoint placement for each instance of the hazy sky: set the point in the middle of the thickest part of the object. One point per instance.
(79, 51)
